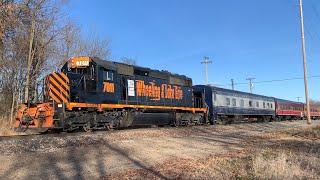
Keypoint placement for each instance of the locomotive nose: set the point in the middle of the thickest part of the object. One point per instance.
(35, 116)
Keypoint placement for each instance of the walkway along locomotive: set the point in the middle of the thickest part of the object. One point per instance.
(91, 93)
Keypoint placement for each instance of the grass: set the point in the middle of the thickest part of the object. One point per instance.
(263, 164)
(270, 164)
(310, 133)
(294, 158)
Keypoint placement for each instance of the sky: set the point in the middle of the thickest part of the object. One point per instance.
(244, 39)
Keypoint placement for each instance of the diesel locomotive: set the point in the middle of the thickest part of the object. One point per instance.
(91, 93)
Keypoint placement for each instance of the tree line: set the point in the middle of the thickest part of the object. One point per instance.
(36, 38)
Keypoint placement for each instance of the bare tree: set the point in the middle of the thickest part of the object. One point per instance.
(43, 17)
(71, 44)
(93, 45)
(129, 61)
(314, 102)
(66, 43)
(34, 41)
(9, 13)
(28, 30)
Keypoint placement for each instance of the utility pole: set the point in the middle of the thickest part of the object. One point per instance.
(232, 84)
(298, 99)
(206, 62)
(304, 64)
(251, 85)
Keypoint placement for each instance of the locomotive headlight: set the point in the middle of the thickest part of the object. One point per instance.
(39, 107)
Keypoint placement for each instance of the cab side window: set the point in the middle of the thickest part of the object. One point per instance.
(107, 75)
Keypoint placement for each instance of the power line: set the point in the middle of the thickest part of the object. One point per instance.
(315, 11)
(314, 36)
(270, 81)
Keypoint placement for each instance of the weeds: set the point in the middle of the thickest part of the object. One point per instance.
(311, 133)
(297, 158)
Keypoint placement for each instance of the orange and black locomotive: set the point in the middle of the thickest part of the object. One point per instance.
(91, 93)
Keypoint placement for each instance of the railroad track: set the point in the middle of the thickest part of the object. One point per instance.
(76, 133)
(79, 132)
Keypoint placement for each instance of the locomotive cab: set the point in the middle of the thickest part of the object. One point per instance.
(92, 79)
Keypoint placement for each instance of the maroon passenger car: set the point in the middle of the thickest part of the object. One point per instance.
(289, 110)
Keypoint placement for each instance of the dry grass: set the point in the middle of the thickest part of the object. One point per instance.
(271, 164)
(262, 164)
(6, 128)
(285, 159)
(308, 133)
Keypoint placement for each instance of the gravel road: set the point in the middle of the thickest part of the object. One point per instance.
(106, 154)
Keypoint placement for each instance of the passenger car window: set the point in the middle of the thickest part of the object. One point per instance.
(241, 102)
(264, 105)
(234, 102)
(257, 104)
(268, 105)
(250, 103)
(228, 101)
(271, 105)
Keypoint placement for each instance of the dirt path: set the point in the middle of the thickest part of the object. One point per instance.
(96, 156)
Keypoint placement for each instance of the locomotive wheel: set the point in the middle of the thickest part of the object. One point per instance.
(109, 126)
(43, 130)
(174, 123)
(86, 127)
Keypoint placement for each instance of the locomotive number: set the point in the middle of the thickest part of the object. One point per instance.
(82, 63)
(108, 87)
